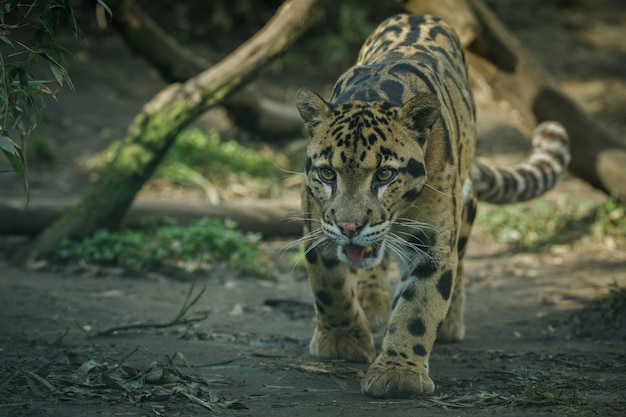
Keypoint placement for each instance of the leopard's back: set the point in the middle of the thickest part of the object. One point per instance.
(409, 55)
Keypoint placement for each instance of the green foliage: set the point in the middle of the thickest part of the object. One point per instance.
(535, 225)
(198, 158)
(206, 240)
(20, 88)
(214, 158)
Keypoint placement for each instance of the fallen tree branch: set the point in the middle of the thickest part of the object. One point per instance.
(271, 218)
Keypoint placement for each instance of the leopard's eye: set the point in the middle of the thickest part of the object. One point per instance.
(385, 175)
(327, 174)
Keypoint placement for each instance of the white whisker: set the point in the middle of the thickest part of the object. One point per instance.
(320, 242)
(318, 238)
(414, 224)
(316, 235)
(406, 261)
(400, 255)
(415, 247)
(436, 190)
(411, 235)
(301, 219)
(287, 171)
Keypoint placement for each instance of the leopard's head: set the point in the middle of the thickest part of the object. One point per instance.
(364, 168)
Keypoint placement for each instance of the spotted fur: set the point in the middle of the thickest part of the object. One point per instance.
(390, 173)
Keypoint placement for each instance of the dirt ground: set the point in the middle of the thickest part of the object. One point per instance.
(243, 352)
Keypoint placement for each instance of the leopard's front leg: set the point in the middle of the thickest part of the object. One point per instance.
(420, 306)
(342, 330)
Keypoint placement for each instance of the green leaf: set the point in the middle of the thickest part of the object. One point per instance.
(7, 41)
(39, 87)
(105, 7)
(15, 156)
(23, 77)
(57, 72)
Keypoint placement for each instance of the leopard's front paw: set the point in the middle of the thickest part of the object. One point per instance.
(396, 381)
(355, 345)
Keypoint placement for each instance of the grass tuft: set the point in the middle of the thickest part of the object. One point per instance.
(612, 306)
(539, 224)
(535, 394)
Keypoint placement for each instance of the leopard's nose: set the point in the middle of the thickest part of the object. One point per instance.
(350, 229)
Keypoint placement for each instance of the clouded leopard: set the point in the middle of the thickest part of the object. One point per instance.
(390, 174)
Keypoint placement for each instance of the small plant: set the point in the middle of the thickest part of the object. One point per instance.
(206, 240)
(535, 394)
(612, 306)
(610, 221)
(604, 317)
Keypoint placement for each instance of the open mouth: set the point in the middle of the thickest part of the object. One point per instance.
(356, 253)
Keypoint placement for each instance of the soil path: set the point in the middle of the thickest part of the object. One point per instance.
(522, 355)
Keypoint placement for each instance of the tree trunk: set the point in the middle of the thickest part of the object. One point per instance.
(250, 108)
(494, 53)
(154, 129)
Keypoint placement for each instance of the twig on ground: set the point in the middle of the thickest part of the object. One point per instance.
(180, 317)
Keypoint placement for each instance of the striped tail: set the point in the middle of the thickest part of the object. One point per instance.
(528, 179)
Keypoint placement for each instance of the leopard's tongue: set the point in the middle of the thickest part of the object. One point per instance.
(355, 253)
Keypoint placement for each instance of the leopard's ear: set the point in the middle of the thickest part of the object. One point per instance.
(420, 113)
(313, 109)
